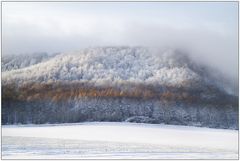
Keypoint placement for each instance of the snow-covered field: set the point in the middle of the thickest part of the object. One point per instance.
(117, 140)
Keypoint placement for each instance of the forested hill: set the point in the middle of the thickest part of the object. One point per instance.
(115, 84)
(111, 65)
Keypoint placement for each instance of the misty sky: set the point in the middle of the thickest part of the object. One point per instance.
(207, 30)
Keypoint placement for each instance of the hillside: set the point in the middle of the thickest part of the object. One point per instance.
(112, 65)
(13, 62)
(104, 83)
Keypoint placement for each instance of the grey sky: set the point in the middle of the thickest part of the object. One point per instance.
(207, 30)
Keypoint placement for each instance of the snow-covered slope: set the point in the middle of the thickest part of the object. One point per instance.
(118, 141)
(110, 64)
(13, 62)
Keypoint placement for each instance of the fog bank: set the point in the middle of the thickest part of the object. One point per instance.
(206, 30)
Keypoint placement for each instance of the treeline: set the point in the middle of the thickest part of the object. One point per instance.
(60, 91)
(60, 102)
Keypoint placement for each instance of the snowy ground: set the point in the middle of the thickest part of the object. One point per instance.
(117, 141)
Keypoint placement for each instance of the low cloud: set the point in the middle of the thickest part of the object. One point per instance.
(211, 43)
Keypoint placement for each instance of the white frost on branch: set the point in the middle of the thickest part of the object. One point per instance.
(109, 65)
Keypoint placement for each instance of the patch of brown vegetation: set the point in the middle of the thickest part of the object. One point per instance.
(58, 91)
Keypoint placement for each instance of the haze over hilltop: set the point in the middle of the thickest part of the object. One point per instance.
(207, 31)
